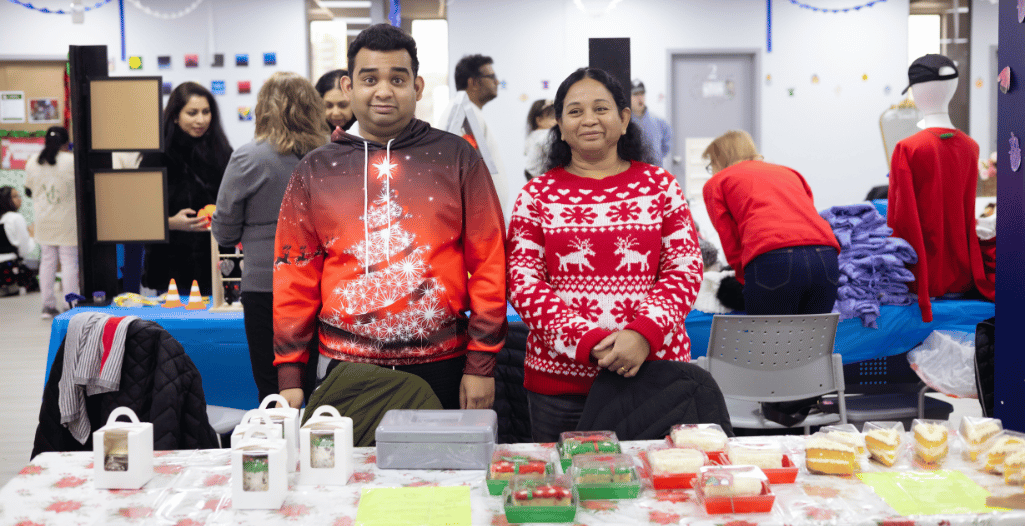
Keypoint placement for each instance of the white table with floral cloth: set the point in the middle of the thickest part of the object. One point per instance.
(192, 488)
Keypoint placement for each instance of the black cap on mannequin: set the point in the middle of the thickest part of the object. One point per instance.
(927, 68)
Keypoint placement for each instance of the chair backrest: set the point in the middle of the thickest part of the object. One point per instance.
(775, 358)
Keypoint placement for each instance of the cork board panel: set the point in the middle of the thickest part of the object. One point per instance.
(130, 206)
(125, 114)
(43, 79)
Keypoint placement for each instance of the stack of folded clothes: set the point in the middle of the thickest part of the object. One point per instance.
(872, 264)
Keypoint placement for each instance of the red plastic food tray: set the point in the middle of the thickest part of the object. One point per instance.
(785, 475)
(679, 481)
(758, 504)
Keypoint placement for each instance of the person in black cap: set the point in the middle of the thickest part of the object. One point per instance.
(657, 135)
(931, 202)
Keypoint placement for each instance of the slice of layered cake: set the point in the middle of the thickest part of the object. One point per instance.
(930, 442)
(854, 440)
(822, 455)
(1004, 446)
(883, 445)
(976, 433)
(1014, 468)
(675, 460)
(704, 438)
(765, 456)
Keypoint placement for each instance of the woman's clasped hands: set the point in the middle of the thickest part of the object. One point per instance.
(622, 352)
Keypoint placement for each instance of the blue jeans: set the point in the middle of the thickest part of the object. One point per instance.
(793, 280)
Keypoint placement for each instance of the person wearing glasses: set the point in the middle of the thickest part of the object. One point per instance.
(783, 252)
(477, 85)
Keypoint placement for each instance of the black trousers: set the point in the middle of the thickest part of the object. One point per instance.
(443, 376)
(550, 415)
(258, 317)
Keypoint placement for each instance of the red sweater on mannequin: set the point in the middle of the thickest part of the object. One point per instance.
(933, 179)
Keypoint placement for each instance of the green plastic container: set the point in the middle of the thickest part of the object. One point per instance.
(517, 514)
(595, 477)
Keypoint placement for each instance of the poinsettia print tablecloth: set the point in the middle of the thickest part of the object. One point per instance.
(193, 488)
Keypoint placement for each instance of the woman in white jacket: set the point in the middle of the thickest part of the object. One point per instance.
(50, 176)
(15, 244)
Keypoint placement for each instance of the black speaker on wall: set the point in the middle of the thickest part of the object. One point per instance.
(613, 56)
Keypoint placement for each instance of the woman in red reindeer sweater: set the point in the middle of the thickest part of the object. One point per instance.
(604, 262)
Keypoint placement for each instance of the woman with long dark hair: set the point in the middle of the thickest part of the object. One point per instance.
(15, 243)
(540, 119)
(196, 151)
(603, 256)
(337, 106)
(289, 124)
(50, 177)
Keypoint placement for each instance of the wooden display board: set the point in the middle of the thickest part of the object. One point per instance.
(130, 206)
(38, 79)
(220, 281)
(125, 114)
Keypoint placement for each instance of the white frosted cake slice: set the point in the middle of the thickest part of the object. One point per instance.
(765, 456)
(704, 438)
(854, 440)
(930, 442)
(676, 460)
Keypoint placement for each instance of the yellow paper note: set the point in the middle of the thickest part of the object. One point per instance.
(929, 492)
(419, 506)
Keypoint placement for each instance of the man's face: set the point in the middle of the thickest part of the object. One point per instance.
(637, 103)
(488, 83)
(383, 91)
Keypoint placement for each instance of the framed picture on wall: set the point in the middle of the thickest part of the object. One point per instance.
(125, 113)
(44, 110)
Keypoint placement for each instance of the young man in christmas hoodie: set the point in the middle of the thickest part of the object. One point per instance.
(385, 240)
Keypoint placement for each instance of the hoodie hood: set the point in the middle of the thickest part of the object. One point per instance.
(413, 133)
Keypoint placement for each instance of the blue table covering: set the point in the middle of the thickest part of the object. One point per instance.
(216, 342)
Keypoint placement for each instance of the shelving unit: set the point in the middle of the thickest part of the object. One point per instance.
(217, 300)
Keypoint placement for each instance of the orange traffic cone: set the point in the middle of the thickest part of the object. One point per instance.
(172, 299)
(195, 299)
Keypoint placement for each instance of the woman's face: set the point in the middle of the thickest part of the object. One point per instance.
(590, 122)
(16, 199)
(339, 111)
(194, 119)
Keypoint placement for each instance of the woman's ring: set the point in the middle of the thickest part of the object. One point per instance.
(622, 370)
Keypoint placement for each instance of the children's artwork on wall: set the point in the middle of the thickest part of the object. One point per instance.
(192, 61)
(887, 90)
(768, 80)
(1005, 79)
(46, 110)
(864, 76)
(164, 62)
(244, 87)
(814, 79)
(166, 88)
(218, 61)
(978, 82)
(544, 84)
(242, 59)
(1021, 11)
(217, 87)
(270, 59)
(134, 62)
(790, 92)
(245, 113)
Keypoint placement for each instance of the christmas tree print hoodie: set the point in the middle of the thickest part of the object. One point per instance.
(386, 246)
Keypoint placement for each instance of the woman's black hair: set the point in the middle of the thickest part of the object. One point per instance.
(538, 109)
(631, 144)
(6, 201)
(56, 138)
(330, 80)
(212, 149)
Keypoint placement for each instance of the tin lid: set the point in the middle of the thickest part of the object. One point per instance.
(435, 426)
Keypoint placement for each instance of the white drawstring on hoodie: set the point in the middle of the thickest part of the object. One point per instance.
(366, 206)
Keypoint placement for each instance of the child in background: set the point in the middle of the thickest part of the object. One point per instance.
(15, 243)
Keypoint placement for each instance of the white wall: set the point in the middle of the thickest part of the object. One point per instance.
(985, 33)
(217, 26)
(827, 131)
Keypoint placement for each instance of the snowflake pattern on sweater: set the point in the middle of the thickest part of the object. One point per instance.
(588, 257)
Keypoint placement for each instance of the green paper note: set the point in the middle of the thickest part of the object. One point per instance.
(418, 506)
(929, 493)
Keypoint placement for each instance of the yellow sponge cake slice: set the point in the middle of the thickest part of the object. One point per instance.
(883, 445)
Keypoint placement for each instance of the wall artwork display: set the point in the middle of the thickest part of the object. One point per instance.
(217, 87)
(218, 61)
(1021, 11)
(1014, 153)
(46, 110)
(244, 87)
(864, 76)
(12, 106)
(245, 113)
(135, 62)
(270, 59)
(544, 84)
(166, 88)
(790, 92)
(164, 62)
(242, 59)
(1005, 79)
(192, 61)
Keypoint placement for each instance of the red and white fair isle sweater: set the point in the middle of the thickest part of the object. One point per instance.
(588, 257)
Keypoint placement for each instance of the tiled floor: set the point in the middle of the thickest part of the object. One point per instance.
(23, 344)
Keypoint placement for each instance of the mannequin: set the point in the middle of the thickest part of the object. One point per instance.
(933, 179)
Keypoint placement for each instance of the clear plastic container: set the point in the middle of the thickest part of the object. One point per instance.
(778, 467)
(930, 442)
(551, 498)
(505, 465)
(709, 438)
(573, 443)
(672, 467)
(847, 434)
(734, 489)
(1004, 445)
(605, 477)
(885, 441)
(825, 456)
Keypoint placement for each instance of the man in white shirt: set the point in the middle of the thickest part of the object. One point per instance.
(476, 85)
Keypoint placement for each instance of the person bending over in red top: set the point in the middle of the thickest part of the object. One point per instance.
(784, 253)
(604, 262)
(378, 252)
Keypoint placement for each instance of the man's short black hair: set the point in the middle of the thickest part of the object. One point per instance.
(382, 37)
(469, 67)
